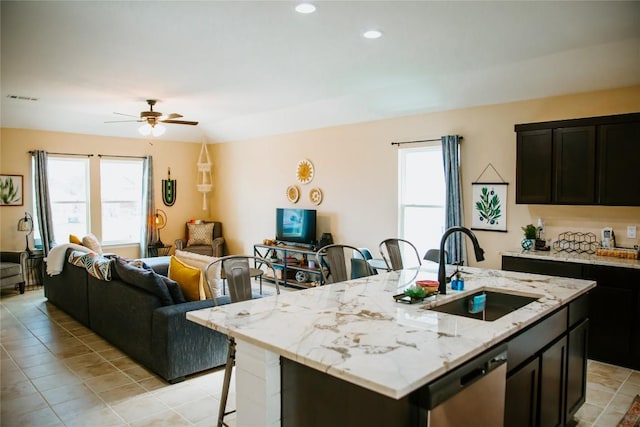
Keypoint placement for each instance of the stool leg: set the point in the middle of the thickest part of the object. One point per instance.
(231, 361)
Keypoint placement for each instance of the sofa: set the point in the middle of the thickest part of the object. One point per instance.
(138, 316)
(11, 270)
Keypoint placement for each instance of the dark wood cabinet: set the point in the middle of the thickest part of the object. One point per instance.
(613, 310)
(574, 170)
(619, 160)
(553, 364)
(586, 161)
(576, 367)
(534, 166)
(521, 405)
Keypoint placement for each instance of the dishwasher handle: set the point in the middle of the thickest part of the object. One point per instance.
(472, 376)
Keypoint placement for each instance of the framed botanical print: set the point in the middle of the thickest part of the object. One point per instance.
(11, 190)
(489, 206)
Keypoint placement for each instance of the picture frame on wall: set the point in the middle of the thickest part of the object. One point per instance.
(489, 206)
(11, 190)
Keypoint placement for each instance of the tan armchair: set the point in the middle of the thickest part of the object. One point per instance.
(204, 238)
(12, 266)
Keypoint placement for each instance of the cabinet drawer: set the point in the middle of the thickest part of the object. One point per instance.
(531, 341)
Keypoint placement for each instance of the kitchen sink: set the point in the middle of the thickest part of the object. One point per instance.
(497, 304)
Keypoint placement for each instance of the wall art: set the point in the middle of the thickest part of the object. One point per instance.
(11, 190)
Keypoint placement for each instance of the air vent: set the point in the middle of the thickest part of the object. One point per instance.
(22, 98)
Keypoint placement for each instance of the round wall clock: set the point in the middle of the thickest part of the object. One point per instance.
(293, 194)
(315, 195)
(304, 172)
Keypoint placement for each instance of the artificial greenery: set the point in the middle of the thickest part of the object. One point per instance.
(530, 231)
(415, 292)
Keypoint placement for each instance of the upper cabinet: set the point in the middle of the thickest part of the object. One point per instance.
(587, 161)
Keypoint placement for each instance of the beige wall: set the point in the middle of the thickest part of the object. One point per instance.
(356, 168)
(181, 157)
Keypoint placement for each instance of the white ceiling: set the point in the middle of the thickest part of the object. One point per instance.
(250, 68)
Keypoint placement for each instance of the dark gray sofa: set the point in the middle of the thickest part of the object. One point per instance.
(139, 321)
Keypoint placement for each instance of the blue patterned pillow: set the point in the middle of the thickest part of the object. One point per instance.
(96, 265)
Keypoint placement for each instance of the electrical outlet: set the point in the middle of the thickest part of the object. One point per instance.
(631, 231)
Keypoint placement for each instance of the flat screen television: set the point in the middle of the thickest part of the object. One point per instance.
(296, 225)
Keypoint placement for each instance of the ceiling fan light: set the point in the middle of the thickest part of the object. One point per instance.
(305, 8)
(145, 129)
(158, 130)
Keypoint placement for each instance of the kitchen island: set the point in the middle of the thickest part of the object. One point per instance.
(354, 331)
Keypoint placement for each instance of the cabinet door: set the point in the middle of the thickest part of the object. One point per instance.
(521, 403)
(534, 162)
(612, 307)
(576, 369)
(552, 384)
(619, 162)
(575, 164)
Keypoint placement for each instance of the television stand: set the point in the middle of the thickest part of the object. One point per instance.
(291, 263)
(308, 246)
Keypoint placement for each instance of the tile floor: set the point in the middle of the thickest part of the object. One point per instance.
(56, 372)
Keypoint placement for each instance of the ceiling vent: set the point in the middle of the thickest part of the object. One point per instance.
(22, 98)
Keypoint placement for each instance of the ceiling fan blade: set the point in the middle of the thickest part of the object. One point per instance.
(123, 114)
(124, 121)
(173, 116)
(179, 122)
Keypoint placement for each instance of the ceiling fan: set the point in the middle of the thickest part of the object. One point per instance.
(153, 120)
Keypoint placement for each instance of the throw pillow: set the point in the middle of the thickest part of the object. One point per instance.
(98, 266)
(77, 258)
(174, 290)
(200, 234)
(92, 243)
(147, 280)
(188, 278)
(202, 261)
(74, 239)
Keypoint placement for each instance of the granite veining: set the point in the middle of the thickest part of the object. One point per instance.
(577, 258)
(356, 331)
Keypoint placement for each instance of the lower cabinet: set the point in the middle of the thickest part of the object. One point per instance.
(549, 387)
(614, 306)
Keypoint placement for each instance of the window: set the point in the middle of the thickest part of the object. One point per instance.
(69, 193)
(422, 196)
(121, 199)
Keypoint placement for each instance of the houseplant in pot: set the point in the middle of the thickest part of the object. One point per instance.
(530, 234)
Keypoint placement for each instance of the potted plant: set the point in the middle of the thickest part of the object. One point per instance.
(530, 234)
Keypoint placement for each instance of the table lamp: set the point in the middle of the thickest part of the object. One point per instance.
(161, 222)
(26, 224)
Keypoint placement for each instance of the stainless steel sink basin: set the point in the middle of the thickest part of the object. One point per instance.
(497, 304)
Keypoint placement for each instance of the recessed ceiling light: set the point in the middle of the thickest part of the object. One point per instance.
(372, 34)
(305, 8)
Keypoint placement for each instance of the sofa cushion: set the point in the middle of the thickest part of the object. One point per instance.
(200, 234)
(147, 280)
(202, 261)
(174, 290)
(188, 277)
(91, 242)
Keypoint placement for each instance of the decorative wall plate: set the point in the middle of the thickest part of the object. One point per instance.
(304, 172)
(315, 195)
(293, 194)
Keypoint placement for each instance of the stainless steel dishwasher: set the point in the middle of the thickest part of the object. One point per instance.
(472, 394)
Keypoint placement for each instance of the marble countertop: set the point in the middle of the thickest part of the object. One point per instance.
(356, 331)
(579, 258)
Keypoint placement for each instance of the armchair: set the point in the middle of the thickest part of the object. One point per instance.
(204, 238)
(12, 269)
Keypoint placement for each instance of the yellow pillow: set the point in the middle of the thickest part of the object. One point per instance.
(187, 277)
(74, 239)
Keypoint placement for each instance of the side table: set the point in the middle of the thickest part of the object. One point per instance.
(33, 269)
(155, 251)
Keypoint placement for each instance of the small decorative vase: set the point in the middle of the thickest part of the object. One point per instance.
(527, 244)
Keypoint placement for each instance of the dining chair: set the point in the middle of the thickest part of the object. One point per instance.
(237, 273)
(333, 263)
(433, 255)
(392, 251)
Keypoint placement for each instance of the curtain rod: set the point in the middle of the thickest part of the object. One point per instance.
(66, 154)
(122, 157)
(418, 141)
